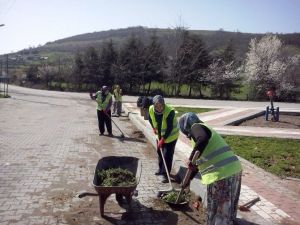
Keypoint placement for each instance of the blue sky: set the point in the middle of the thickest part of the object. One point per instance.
(34, 22)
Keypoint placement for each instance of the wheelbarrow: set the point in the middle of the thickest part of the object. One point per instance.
(103, 192)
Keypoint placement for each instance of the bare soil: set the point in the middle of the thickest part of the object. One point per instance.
(285, 121)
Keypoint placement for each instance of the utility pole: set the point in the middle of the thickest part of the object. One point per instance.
(6, 76)
(59, 67)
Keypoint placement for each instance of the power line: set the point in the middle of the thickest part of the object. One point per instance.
(7, 9)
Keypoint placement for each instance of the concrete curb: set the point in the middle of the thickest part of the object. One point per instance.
(182, 152)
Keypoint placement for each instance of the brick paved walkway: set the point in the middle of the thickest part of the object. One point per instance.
(49, 147)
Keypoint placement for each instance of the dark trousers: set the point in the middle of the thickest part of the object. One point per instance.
(104, 119)
(168, 152)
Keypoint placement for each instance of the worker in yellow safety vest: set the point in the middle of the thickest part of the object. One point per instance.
(219, 168)
(104, 102)
(117, 106)
(164, 123)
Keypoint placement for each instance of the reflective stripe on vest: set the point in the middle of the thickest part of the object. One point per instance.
(175, 131)
(219, 164)
(217, 161)
(213, 154)
(102, 105)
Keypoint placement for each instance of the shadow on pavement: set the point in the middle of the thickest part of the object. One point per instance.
(140, 214)
(122, 139)
(240, 221)
(130, 139)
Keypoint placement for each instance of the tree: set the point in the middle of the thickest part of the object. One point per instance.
(190, 62)
(91, 72)
(32, 73)
(131, 63)
(154, 61)
(223, 74)
(78, 70)
(228, 55)
(223, 78)
(198, 65)
(266, 67)
(108, 59)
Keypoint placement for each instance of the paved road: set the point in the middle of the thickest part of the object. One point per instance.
(49, 147)
(176, 101)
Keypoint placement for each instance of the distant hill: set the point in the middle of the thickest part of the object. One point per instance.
(214, 40)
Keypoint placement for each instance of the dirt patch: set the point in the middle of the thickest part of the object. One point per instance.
(285, 121)
(138, 134)
(87, 212)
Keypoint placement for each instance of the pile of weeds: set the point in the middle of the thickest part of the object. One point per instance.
(171, 197)
(116, 177)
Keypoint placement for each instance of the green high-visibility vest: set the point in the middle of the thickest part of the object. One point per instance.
(118, 96)
(217, 160)
(175, 131)
(102, 105)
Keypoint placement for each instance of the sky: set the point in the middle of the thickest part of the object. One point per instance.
(29, 23)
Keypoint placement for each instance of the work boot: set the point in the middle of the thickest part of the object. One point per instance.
(110, 135)
(158, 172)
(100, 134)
(165, 180)
(159, 194)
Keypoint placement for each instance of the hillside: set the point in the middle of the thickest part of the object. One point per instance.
(214, 40)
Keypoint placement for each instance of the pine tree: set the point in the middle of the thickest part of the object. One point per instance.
(108, 59)
(131, 63)
(191, 61)
(91, 73)
(155, 62)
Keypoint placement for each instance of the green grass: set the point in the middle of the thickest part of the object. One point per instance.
(242, 94)
(4, 96)
(275, 155)
(182, 110)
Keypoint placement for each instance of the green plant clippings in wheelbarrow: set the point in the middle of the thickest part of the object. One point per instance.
(116, 177)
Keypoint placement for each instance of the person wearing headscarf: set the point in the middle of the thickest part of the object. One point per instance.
(104, 102)
(219, 168)
(117, 106)
(164, 124)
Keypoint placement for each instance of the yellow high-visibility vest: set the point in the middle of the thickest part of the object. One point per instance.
(175, 131)
(217, 161)
(118, 96)
(102, 105)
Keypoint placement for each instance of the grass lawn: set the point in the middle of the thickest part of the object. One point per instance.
(182, 110)
(275, 155)
(4, 96)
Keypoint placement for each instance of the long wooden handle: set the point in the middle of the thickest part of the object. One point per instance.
(187, 176)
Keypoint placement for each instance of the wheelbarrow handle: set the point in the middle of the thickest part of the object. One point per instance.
(84, 194)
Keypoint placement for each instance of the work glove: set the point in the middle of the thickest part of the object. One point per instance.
(91, 96)
(160, 142)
